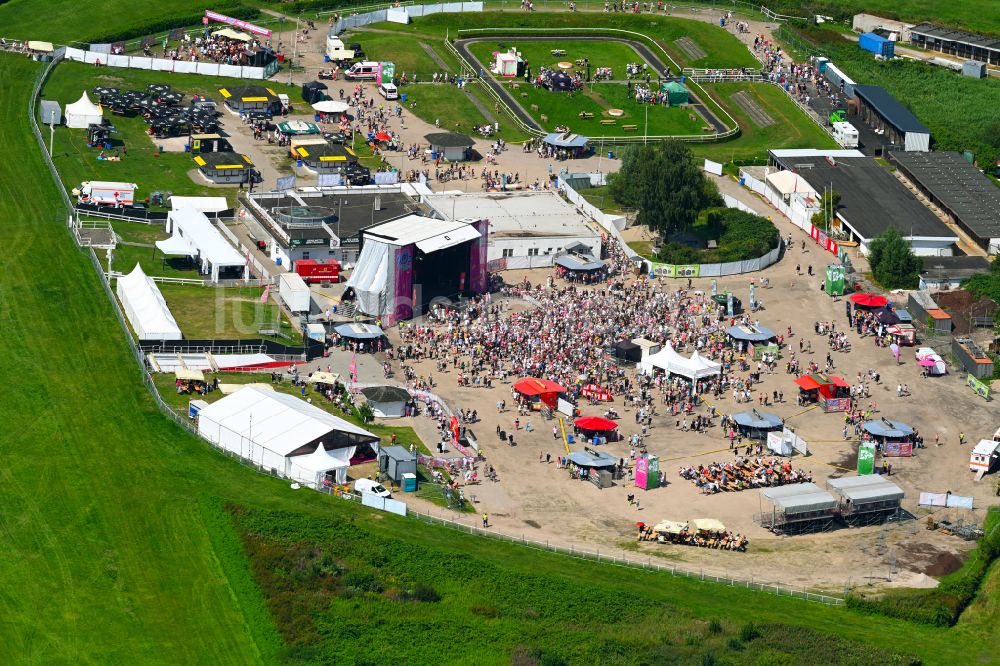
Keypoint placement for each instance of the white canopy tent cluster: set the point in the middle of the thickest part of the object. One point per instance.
(694, 368)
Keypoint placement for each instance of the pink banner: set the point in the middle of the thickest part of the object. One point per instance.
(243, 25)
(405, 298)
(897, 449)
(641, 469)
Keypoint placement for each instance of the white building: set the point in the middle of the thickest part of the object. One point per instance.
(284, 433)
(193, 235)
(527, 229)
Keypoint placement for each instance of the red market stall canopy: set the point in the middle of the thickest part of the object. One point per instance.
(533, 386)
(831, 392)
(820, 381)
(595, 423)
(869, 300)
(382, 136)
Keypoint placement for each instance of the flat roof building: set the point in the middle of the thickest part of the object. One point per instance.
(884, 113)
(958, 188)
(322, 224)
(871, 201)
(225, 168)
(527, 229)
(956, 42)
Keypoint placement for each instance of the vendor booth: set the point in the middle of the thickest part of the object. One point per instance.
(296, 127)
(538, 392)
(756, 425)
(313, 91)
(930, 359)
(832, 393)
(628, 351)
(508, 64)
(580, 267)
(596, 429)
(368, 335)
(593, 466)
(745, 334)
(451, 146)
(695, 368)
(904, 335)
(387, 401)
(868, 301)
(330, 106)
(568, 144)
(893, 438)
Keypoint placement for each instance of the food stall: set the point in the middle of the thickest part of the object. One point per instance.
(754, 424)
(538, 392)
(832, 393)
(868, 301)
(904, 335)
(596, 429)
(594, 466)
(892, 438)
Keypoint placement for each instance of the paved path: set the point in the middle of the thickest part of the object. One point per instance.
(429, 50)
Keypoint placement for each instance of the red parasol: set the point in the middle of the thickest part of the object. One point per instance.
(533, 386)
(869, 300)
(595, 423)
(382, 136)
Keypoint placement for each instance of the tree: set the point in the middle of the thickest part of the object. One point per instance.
(892, 261)
(665, 183)
(829, 201)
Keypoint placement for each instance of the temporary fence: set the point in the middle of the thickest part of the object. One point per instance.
(381, 15)
(168, 65)
(647, 564)
(614, 223)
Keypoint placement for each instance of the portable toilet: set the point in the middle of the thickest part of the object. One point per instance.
(409, 483)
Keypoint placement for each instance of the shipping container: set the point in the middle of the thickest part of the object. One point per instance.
(877, 44)
(313, 271)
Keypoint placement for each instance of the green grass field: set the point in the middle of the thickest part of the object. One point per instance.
(166, 171)
(563, 109)
(128, 540)
(974, 15)
(792, 128)
(720, 47)
(208, 313)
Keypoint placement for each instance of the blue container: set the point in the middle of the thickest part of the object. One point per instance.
(298, 163)
(278, 261)
(107, 146)
(409, 483)
(611, 155)
(743, 181)
(326, 58)
(402, 97)
(317, 117)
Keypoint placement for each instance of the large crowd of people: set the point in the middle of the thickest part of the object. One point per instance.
(742, 474)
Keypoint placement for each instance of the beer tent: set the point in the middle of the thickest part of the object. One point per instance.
(83, 113)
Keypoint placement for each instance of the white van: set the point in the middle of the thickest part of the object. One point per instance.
(369, 486)
(388, 90)
(362, 71)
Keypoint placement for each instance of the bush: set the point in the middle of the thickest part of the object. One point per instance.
(749, 632)
(163, 25)
(740, 236)
(715, 627)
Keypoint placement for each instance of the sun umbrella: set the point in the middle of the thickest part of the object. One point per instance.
(596, 423)
(330, 106)
(869, 300)
(382, 136)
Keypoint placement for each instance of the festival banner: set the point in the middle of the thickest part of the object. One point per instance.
(898, 449)
(979, 387)
(243, 25)
(866, 458)
(641, 470)
(715, 288)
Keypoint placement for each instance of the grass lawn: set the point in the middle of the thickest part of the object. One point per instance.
(209, 313)
(453, 108)
(975, 15)
(137, 232)
(792, 128)
(599, 197)
(153, 262)
(539, 54)
(118, 549)
(409, 56)
(721, 48)
(167, 171)
(644, 248)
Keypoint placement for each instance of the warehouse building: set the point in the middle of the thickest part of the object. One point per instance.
(882, 112)
(956, 42)
(959, 189)
(871, 201)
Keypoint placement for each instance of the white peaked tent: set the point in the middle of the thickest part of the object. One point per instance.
(706, 368)
(283, 432)
(146, 308)
(668, 360)
(662, 359)
(82, 113)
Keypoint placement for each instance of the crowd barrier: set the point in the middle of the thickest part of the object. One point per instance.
(614, 223)
(414, 11)
(165, 65)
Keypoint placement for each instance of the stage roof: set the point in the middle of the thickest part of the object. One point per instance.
(799, 498)
(864, 489)
(427, 233)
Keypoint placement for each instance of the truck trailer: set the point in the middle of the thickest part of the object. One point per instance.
(313, 271)
(294, 292)
(105, 193)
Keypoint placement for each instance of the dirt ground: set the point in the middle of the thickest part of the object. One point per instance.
(541, 502)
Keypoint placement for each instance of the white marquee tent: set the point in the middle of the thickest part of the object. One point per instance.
(284, 433)
(193, 235)
(668, 360)
(145, 307)
(203, 204)
(82, 113)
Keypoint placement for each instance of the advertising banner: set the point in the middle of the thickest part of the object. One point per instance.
(243, 25)
(641, 472)
(979, 387)
(866, 458)
(834, 285)
(898, 449)
(286, 183)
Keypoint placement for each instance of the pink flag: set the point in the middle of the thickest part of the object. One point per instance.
(354, 368)
(264, 296)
